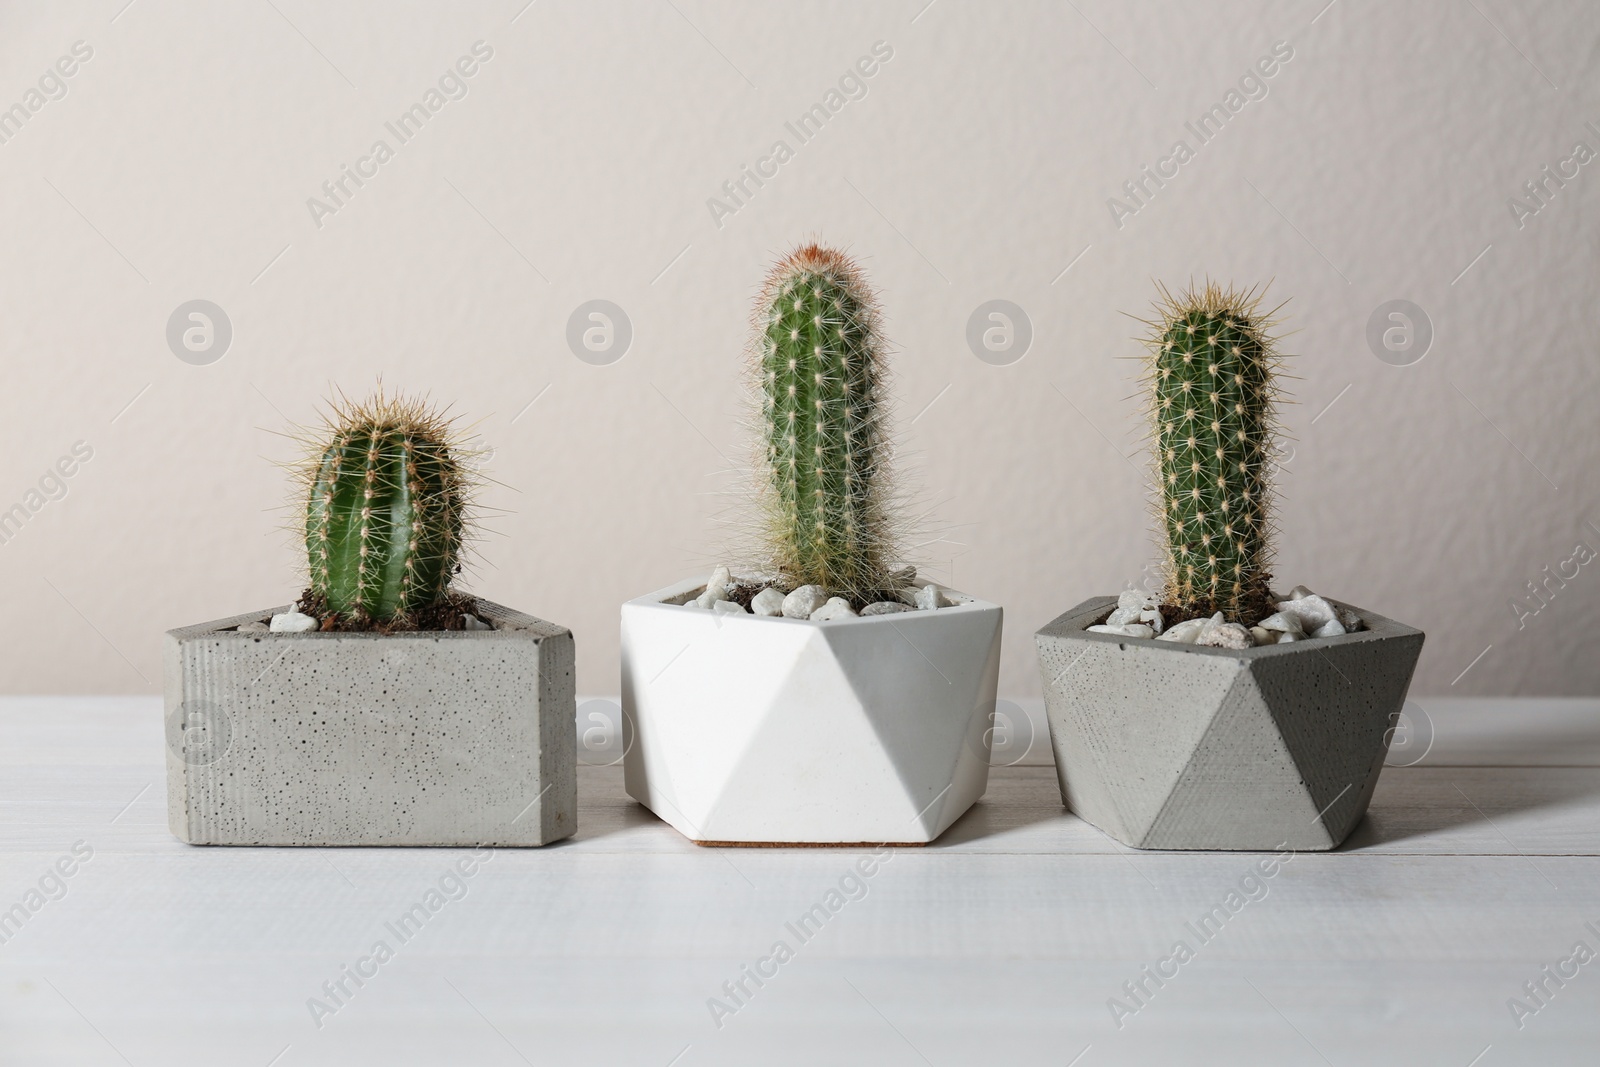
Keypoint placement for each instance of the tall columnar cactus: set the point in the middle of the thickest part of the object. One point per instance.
(824, 440)
(1213, 400)
(386, 500)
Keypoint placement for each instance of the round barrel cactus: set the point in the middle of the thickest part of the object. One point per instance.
(1213, 404)
(385, 510)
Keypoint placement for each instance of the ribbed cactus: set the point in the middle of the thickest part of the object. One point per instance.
(384, 511)
(1213, 402)
(825, 443)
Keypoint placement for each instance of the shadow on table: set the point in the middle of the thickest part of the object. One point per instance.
(1017, 797)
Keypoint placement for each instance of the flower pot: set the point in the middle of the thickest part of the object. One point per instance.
(750, 730)
(427, 738)
(1174, 746)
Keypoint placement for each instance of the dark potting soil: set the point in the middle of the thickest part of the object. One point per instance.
(445, 615)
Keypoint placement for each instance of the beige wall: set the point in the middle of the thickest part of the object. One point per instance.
(977, 166)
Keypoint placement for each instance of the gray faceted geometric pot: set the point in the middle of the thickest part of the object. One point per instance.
(455, 738)
(1172, 746)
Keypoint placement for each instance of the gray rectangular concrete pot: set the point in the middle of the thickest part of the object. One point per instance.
(748, 730)
(1173, 746)
(461, 737)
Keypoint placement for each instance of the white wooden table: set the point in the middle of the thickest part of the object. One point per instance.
(1001, 944)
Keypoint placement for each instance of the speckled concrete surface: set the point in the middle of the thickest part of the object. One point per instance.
(428, 738)
(1175, 746)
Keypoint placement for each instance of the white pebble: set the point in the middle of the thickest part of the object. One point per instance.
(1312, 611)
(716, 589)
(1134, 605)
(1226, 635)
(292, 622)
(1263, 636)
(928, 598)
(835, 608)
(767, 602)
(1284, 639)
(256, 627)
(1299, 592)
(1133, 600)
(803, 601)
(1186, 632)
(886, 607)
(472, 622)
(1282, 622)
(1331, 628)
(728, 607)
(1132, 629)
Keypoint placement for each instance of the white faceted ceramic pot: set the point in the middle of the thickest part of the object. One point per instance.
(751, 730)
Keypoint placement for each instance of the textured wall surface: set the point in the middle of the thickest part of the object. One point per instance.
(1385, 158)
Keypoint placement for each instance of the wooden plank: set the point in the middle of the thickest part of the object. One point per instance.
(1375, 961)
(1006, 942)
(99, 760)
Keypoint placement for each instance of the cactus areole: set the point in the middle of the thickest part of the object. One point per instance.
(384, 512)
(824, 440)
(1212, 398)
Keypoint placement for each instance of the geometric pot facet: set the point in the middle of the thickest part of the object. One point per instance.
(1165, 745)
(452, 738)
(749, 730)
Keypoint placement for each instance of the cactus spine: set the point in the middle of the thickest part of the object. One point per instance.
(384, 510)
(1213, 400)
(824, 439)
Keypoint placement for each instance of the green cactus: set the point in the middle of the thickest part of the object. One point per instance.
(825, 444)
(1213, 399)
(386, 502)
